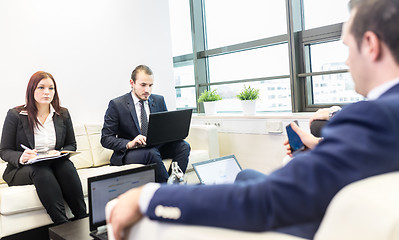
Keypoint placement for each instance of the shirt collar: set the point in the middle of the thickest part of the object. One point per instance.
(52, 111)
(135, 99)
(378, 91)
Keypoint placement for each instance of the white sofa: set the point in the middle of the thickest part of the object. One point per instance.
(20, 207)
(366, 210)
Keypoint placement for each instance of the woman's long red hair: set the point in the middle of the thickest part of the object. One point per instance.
(30, 105)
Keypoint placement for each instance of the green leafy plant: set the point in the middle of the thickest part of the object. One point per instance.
(248, 93)
(209, 96)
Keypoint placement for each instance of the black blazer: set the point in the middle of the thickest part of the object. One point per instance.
(16, 131)
(121, 124)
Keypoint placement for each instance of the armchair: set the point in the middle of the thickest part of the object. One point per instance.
(367, 209)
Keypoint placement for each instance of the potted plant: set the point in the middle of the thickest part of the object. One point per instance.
(209, 98)
(248, 97)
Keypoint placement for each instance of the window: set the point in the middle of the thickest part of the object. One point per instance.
(333, 89)
(326, 12)
(184, 76)
(255, 63)
(269, 98)
(180, 22)
(231, 22)
(327, 57)
(281, 47)
(180, 26)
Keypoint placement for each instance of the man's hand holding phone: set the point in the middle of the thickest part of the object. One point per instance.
(299, 139)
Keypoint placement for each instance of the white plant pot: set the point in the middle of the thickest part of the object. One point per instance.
(210, 108)
(248, 107)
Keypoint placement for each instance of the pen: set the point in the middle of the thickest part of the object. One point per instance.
(26, 148)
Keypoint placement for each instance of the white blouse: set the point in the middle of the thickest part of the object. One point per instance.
(45, 134)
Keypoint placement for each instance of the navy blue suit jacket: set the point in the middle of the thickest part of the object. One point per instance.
(362, 140)
(121, 124)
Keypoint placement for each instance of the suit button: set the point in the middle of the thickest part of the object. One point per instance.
(167, 212)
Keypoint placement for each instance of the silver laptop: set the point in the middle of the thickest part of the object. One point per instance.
(104, 188)
(217, 171)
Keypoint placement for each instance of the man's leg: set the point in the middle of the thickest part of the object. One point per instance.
(178, 151)
(148, 156)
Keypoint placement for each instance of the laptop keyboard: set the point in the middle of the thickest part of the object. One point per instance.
(103, 236)
(100, 236)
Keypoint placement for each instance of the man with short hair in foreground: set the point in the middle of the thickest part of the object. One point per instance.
(362, 140)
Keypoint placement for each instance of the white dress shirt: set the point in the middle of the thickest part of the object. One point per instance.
(137, 105)
(378, 91)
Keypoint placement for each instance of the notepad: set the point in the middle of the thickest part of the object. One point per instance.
(44, 157)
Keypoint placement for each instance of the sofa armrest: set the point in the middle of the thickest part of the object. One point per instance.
(367, 209)
(204, 137)
(153, 230)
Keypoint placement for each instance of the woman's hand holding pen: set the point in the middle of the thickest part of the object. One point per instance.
(27, 155)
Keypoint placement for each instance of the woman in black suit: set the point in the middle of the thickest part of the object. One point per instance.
(42, 126)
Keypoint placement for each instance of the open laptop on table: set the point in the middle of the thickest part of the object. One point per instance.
(168, 126)
(103, 188)
(218, 170)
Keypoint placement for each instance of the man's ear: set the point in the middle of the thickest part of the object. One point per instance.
(372, 45)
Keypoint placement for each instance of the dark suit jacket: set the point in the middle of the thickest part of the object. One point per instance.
(121, 124)
(362, 140)
(16, 131)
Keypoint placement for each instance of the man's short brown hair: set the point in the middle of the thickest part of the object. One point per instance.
(139, 68)
(380, 17)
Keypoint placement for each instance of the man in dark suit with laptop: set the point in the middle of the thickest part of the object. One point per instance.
(360, 141)
(126, 125)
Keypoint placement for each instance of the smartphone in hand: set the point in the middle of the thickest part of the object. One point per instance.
(294, 140)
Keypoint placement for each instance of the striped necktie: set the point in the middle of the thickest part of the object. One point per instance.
(143, 118)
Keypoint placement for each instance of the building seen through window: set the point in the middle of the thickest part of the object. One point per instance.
(239, 43)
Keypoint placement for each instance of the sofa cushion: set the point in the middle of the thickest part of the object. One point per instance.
(101, 156)
(84, 159)
(31, 202)
(9, 205)
(3, 166)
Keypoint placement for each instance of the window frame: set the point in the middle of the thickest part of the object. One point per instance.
(299, 42)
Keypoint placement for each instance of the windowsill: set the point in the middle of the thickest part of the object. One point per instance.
(261, 123)
(275, 115)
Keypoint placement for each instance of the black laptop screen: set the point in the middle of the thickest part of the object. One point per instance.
(168, 126)
(104, 188)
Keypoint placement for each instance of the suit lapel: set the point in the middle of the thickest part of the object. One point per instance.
(132, 110)
(59, 129)
(152, 105)
(393, 90)
(28, 131)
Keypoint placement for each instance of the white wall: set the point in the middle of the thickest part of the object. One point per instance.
(90, 47)
(256, 141)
